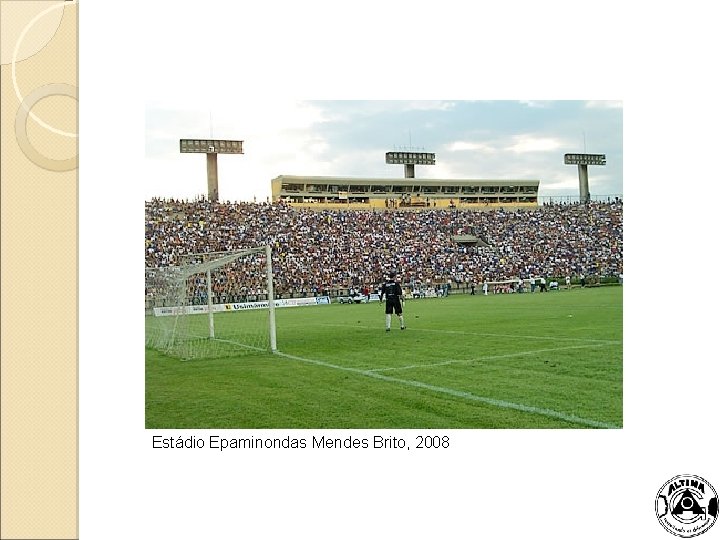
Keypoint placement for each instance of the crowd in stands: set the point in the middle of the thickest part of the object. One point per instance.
(317, 251)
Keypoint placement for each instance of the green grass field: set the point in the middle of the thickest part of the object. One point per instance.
(543, 360)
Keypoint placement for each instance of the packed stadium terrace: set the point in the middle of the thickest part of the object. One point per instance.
(326, 251)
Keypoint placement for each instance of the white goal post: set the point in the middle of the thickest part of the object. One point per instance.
(212, 305)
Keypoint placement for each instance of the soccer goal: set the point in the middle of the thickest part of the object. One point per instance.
(212, 305)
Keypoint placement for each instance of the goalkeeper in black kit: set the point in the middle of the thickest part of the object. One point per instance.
(393, 294)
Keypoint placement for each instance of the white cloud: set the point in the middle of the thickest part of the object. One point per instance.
(441, 170)
(462, 146)
(608, 104)
(537, 104)
(531, 143)
(278, 140)
(562, 182)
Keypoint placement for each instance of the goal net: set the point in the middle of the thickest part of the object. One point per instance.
(212, 305)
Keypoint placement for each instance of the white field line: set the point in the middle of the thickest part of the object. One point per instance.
(460, 394)
(496, 357)
(548, 337)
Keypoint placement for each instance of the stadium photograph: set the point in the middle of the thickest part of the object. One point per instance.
(350, 272)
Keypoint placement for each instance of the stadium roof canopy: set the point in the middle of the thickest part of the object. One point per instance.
(471, 240)
(354, 180)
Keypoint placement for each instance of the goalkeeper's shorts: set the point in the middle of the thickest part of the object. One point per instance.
(393, 304)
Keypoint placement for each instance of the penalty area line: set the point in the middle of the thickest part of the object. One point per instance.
(549, 337)
(495, 357)
(549, 413)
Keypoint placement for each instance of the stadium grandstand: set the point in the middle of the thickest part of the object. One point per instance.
(318, 192)
(329, 251)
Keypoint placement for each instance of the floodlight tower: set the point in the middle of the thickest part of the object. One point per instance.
(410, 159)
(211, 148)
(582, 161)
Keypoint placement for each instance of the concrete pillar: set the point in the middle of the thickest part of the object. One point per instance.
(584, 189)
(409, 170)
(212, 177)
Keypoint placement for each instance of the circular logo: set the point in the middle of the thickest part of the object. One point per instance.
(686, 505)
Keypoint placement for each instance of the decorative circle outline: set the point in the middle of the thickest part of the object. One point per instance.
(40, 93)
(14, 61)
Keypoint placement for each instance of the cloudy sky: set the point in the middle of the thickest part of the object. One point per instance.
(471, 139)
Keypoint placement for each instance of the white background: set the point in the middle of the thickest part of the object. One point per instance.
(490, 483)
